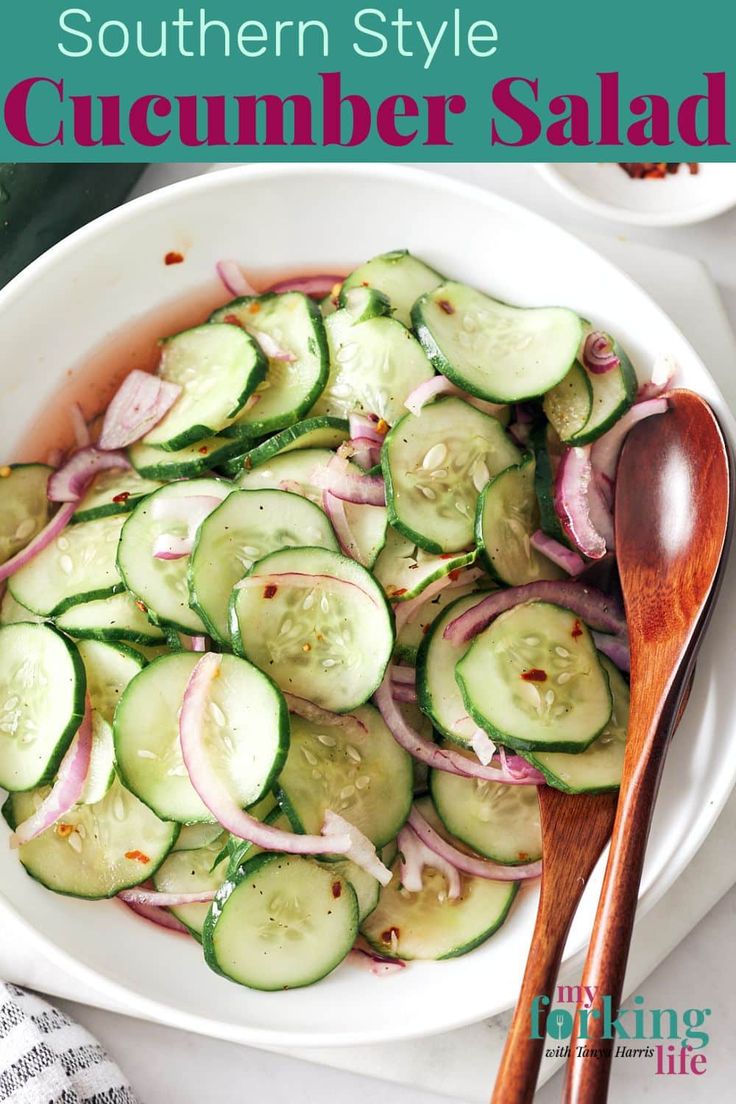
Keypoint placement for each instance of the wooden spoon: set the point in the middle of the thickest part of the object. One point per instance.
(673, 525)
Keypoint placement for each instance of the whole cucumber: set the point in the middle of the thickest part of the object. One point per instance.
(41, 204)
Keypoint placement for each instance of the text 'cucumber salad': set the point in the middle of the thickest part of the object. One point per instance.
(291, 637)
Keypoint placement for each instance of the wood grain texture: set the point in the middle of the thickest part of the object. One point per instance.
(673, 511)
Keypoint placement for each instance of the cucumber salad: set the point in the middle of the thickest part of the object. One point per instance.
(292, 635)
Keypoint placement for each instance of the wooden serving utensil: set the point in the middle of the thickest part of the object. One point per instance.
(674, 500)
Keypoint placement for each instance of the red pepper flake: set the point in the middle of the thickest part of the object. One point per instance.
(122, 497)
(445, 306)
(254, 307)
(270, 590)
(173, 257)
(390, 934)
(534, 675)
(203, 450)
(232, 320)
(336, 889)
(382, 427)
(454, 574)
(141, 607)
(523, 856)
(396, 592)
(576, 630)
(138, 856)
(64, 830)
(426, 628)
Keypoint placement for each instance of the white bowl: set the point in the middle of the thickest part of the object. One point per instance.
(333, 216)
(676, 200)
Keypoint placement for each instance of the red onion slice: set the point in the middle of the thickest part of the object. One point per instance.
(67, 789)
(616, 648)
(431, 389)
(592, 606)
(483, 746)
(343, 482)
(317, 287)
(80, 427)
(194, 643)
(70, 482)
(234, 279)
(271, 347)
(158, 916)
(311, 712)
(364, 451)
(405, 694)
(598, 355)
(366, 426)
(138, 896)
(361, 850)
(364, 955)
(405, 612)
(330, 583)
(167, 546)
(664, 371)
(140, 403)
(415, 855)
(469, 864)
(42, 540)
(574, 491)
(405, 676)
(335, 509)
(607, 448)
(564, 557)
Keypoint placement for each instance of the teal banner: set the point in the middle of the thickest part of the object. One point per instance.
(314, 80)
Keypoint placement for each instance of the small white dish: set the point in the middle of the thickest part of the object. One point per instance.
(676, 199)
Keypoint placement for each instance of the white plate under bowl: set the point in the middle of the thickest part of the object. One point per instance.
(676, 200)
(286, 217)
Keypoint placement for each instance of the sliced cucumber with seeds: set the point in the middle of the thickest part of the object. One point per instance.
(96, 850)
(435, 465)
(185, 463)
(358, 771)
(247, 526)
(367, 888)
(113, 492)
(599, 767)
(296, 471)
(569, 403)
(497, 821)
(613, 394)
(12, 612)
(500, 353)
(162, 584)
(192, 871)
(533, 680)
(547, 450)
(218, 368)
(374, 367)
(404, 569)
(78, 566)
(412, 633)
(507, 516)
(42, 690)
(109, 668)
(330, 642)
(116, 618)
(312, 433)
(24, 506)
(400, 276)
(280, 923)
(294, 323)
(194, 836)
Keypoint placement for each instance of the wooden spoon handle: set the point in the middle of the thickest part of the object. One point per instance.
(568, 862)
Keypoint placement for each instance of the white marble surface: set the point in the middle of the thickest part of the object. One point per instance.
(166, 1065)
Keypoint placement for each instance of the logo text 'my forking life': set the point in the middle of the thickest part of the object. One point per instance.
(675, 1039)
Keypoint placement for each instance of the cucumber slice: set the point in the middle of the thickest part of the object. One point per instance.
(24, 507)
(78, 566)
(613, 394)
(547, 448)
(291, 387)
(194, 836)
(247, 526)
(532, 679)
(569, 403)
(329, 643)
(247, 733)
(116, 618)
(358, 771)
(149, 652)
(412, 632)
(114, 492)
(293, 471)
(506, 518)
(498, 352)
(194, 871)
(218, 368)
(367, 888)
(42, 689)
(12, 612)
(312, 433)
(162, 584)
(497, 821)
(404, 569)
(364, 303)
(185, 463)
(374, 367)
(101, 772)
(400, 276)
(599, 767)
(438, 693)
(97, 850)
(436, 465)
(109, 669)
(282, 922)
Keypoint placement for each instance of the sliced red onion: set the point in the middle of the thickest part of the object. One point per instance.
(330, 583)
(42, 540)
(271, 347)
(344, 482)
(158, 916)
(520, 432)
(598, 355)
(402, 693)
(55, 458)
(70, 482)
(607, 448)
(335, 509)
(415, 855)
(79, 425)
(140, 403)
(405, 676)
(573, 485)
(616, 648)
(234, 279)
(483, 746)
(138, 896)
(469, 864)
(66, 790)
(315, 286)
(405, 612)
(194, 643)
(600, 511)
(664, 371)
(365, 451)
(431, 389)
(311, 712)
(592, 606)
(361, 850)
(444, 759)
(364, 955)
(167, 546)
(564, 557)
(366, 426)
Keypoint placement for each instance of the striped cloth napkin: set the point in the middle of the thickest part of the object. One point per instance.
(46, 1058)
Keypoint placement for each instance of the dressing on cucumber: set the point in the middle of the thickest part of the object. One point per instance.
(24, 507)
